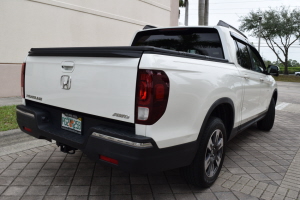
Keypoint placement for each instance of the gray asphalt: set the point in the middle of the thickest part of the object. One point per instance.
(289, 92)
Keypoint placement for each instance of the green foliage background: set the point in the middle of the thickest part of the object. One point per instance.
(280, 28)
(293, 65)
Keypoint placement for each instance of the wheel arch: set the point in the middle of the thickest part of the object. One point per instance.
(221, 108)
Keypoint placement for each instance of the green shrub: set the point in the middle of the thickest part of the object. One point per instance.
(291, 70)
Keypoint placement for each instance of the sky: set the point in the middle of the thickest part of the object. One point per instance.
(230, 11)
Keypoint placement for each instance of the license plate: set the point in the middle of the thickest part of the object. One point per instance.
(71, 123)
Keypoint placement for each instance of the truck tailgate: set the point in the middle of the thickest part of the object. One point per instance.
(96, 81)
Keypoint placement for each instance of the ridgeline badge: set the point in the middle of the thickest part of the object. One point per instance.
(121, 115)
(34, 97)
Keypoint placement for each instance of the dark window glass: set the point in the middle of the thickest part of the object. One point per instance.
(202, 41)
(257, 63)
(243, 55)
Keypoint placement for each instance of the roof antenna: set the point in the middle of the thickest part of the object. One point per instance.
(222, 23)
(148, 27)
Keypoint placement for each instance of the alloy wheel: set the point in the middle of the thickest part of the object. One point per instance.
(214, 153)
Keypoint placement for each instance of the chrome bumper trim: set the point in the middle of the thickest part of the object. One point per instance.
(25, 113)
(121, 141)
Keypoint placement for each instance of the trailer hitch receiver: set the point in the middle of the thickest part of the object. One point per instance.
(65, 148)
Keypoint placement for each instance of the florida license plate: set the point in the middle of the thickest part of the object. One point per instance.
(71, 123)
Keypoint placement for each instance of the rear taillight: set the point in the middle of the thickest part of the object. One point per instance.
(151, 96)
(23, 80)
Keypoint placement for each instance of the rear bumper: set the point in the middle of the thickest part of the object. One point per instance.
(145, 159)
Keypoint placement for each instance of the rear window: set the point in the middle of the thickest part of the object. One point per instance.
(201, 41)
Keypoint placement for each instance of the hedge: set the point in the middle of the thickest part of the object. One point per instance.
(291, 70)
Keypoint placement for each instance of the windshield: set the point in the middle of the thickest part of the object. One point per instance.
(202, 41)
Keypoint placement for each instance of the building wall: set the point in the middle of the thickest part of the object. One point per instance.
(174, 17)
(60, 23)
(10, 83)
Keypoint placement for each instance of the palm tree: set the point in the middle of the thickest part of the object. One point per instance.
(185, 3)
(203, 12)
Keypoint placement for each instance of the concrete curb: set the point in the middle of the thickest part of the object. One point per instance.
(3, 133)
(8, 101)
(21, 146)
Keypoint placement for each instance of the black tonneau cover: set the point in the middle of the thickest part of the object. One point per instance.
(119, 51)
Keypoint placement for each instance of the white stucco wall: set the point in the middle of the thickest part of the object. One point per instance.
(55, 23)
(25, 24)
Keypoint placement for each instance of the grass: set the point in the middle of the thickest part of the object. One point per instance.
(8, 118)
(291, 70)
(287, 78)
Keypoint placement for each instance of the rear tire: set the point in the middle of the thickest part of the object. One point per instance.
(266, 123)
(206, 166)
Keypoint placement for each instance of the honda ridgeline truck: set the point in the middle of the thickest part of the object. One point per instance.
(173, 99)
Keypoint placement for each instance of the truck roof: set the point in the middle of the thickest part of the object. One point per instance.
(220, 23)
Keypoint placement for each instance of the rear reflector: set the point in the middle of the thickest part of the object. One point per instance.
(110, 160)
(27, 129)
(23, 80)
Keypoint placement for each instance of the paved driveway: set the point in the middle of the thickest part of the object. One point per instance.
(258, 165)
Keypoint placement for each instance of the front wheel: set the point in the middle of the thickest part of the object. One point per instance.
(266, 123)
(208, 161)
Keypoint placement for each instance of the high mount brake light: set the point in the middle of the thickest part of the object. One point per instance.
(151, 96)
(23, 80)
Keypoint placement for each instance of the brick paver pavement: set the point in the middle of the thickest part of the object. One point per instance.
(258, 165)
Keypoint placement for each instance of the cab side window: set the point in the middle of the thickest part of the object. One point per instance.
(257, 63)
(243, 56)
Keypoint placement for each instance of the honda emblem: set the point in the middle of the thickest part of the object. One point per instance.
(65, 82)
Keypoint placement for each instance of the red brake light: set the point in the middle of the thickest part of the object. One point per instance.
(23, 80)
(159, 92)
(152, 96)
(143, 90)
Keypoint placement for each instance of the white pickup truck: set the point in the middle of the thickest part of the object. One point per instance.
(173, 99)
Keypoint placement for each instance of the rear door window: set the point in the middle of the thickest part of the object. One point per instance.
(243, 55)
(201, 41)
(258, 64)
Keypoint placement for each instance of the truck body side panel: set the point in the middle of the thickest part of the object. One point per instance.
(194, 86)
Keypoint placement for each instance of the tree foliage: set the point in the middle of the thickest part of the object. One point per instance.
(280, 28)
(182, 3)
(291, 63)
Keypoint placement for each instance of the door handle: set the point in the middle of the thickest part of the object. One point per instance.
(67, 66)
(261, 80)
(246, 76)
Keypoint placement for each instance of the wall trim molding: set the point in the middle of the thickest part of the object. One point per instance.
(92, 11)
(157, 4)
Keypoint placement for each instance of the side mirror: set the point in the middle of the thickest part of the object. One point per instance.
(273, 70)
